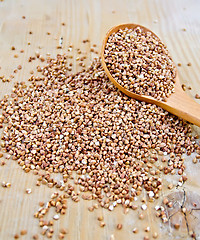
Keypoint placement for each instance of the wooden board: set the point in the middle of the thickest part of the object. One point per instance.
(177, 23)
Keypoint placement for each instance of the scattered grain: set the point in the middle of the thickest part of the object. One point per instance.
(100, 218)
(102, 224)
(146, 238)
(144, 207)
(155, 235)
(184, 210)
(183, 87)
(91, 209)
(147, 229)
(81, 123)
(135, 230)
(112, 237)
(2, 163)
(28, 190)
(61, 236)
(56, 217)
(165, 201)
(119, 226)
(141, 216)
(23, 232)
(176, 226)
(170, 186)
(63, 231)
(35, 237)
(6, 184)
(197, 96)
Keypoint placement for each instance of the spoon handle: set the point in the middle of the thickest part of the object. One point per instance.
(181, 105)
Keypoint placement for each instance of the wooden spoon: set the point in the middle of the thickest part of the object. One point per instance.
(178, 103)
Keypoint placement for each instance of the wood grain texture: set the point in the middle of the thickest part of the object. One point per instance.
(88, 19)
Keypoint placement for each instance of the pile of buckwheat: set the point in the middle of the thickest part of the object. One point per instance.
(140, 62)
(65, 123)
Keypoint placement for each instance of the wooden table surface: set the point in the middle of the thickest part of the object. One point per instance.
(177, 23)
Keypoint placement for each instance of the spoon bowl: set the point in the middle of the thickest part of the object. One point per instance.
(178, 103)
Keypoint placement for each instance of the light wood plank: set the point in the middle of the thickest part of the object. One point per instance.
(87, 19)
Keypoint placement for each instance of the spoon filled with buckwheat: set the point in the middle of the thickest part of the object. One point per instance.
(139, 64)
